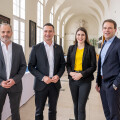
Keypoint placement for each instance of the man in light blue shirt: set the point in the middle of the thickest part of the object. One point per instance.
(108, 76)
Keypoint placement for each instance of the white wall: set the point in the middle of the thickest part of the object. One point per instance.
(115, 14)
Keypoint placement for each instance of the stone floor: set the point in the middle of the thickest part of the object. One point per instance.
(94, 109)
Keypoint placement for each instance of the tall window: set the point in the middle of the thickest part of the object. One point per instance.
(51, 16)
(40, 21)
(58, 32)
(19, 22)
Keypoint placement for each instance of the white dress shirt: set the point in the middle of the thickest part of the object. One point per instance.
(7, 53)
(50, 56)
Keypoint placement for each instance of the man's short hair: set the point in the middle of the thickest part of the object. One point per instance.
(2, 24)
(49, 24)
(111, 21)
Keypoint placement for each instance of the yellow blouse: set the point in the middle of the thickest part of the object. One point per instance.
(78, 59)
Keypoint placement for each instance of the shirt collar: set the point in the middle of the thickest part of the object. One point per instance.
(48, 45)
(3, 44)
(110, 40)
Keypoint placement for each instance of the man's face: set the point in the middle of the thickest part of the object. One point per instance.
(48, 33)
(108, 30)
(5, 33)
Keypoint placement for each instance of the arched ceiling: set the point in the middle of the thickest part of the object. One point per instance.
(65, 9)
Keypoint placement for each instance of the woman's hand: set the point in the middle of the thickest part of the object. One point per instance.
(72, 74)
(75, 76)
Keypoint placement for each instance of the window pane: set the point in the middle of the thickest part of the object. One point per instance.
(22, 34)
(38, 35)
(41, 35)
(15, 25)
(41, 15)
(22, 9)
(16, 2)
(15, 35)
(22, 4)
(22, 27)
(16, 10)
(22, 42)
(41, 1)
(15, 31)
(38, 14)
(22, 13)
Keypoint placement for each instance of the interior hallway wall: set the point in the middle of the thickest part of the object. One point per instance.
(75, 22)
(115, 14)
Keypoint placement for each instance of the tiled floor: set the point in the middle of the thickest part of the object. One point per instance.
(94, 109)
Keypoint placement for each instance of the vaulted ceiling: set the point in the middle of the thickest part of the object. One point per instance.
(66, 9)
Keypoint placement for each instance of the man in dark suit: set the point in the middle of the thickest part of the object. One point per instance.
(47, 64)
(108, 76)
(12, 68)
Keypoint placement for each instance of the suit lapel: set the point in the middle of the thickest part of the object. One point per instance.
(1, 55)
(45, 54)
(109, 49)
(55, 55)
(74, 53)
(3, 61)
(13, 56)
(84, 53)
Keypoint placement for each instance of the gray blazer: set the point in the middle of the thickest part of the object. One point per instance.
(38, 65)
(18, 67)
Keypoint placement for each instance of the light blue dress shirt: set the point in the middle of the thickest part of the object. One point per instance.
(104, 51)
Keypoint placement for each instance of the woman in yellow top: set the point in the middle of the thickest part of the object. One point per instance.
(81, 64)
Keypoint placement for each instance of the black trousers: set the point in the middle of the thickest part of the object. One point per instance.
(52, 94)
(111, 102)
(14, 98)
(80, 92)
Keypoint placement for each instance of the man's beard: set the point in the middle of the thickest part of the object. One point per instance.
(5, 40)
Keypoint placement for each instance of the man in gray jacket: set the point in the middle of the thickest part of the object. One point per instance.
(12, 69)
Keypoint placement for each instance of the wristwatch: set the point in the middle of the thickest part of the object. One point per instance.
(114, 87)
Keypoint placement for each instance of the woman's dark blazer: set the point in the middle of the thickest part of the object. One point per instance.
(88, 62)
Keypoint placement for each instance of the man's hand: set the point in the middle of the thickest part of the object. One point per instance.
(10, 82)
(55, 79)
(47, 80)
(97, 88)
(5, 84)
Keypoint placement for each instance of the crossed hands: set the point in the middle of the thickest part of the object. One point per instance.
(75, 76)
(49, 80)
(8, 83)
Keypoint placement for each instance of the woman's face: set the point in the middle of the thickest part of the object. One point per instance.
(80, 36)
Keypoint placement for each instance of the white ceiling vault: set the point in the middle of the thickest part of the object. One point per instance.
(66, 9)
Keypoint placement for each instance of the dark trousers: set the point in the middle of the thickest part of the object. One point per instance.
(80, 92)
(14, 103)
(111, 102)
(52, 94)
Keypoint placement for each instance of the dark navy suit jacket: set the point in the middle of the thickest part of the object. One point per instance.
(111, 65)
(38, 65)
